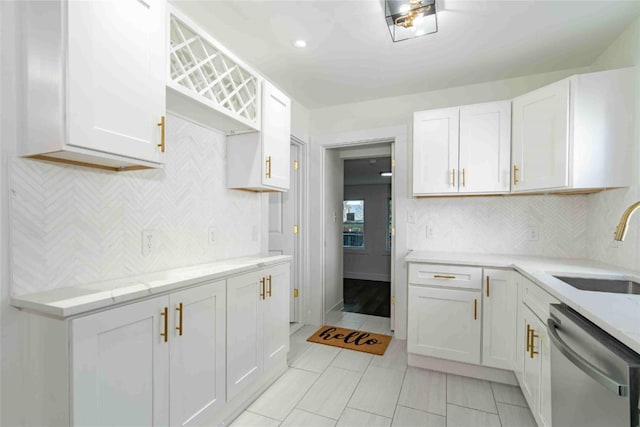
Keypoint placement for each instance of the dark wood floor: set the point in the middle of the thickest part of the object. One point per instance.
(367, 297)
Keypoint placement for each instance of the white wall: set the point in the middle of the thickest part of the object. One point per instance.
(605, 209)
(374, 261)
(333, 263)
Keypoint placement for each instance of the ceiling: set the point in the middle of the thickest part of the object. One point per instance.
(367, 171)
(350, 56)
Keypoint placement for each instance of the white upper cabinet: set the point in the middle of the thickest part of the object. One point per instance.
(435, 151)
(462, 150)
(94, 82)
(485, 147)
(260, 161)
(576, 134)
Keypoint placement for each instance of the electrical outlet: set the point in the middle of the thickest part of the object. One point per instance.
(212, 236)
(430, 231)
(149, 241)
(533, 233)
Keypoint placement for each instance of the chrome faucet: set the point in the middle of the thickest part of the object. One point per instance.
(621, 229)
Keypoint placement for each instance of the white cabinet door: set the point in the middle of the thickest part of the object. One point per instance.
(499, 319)
(530, 383)
(120, 366)
(276, 315)
(197, 343)
(435, 151)
(444, 323)
(276, 137)
(485, 147)
(541, 138)
(245, 300)
(521, 332)
(116, 76)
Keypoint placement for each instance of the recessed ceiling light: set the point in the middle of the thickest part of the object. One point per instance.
(386, 173)
(300, 43)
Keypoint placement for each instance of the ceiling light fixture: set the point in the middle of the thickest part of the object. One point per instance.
(300, 43)
(386, 173)
(410, 18)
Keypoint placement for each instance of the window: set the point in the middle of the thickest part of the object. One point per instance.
(353, 223)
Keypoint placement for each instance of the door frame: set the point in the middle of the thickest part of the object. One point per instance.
(301, 243)
(400, 196)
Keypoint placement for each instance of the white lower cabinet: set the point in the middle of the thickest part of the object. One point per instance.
(155, 362)
(444, 323)
(532, 361)
(499, 301)
(257, 313)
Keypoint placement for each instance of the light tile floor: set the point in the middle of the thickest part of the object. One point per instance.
(328, 386)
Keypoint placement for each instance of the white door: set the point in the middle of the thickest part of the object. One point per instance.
(333, 206)
(485, 147)
(120, 369)
(276, 134)
(444, 323)
(245, 301)
(276, 316)
(499, 319)
(284, 214)
(541, 138)
(197, 344)
(435, 151)
(116, 76)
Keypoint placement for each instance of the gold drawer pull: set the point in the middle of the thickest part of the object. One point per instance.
(262, 284)
(475, 309)
(443, 276)
(453, 177)
(487, 286)
(464, 180)
(165, 334)
(515, 174)
(269, 167)
(269, 281)
(532, 347)
(179, 327)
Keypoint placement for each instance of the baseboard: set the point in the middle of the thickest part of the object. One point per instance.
(367, 276)
(337, 307)
(463, 369)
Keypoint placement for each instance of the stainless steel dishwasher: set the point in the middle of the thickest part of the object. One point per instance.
(595, 380)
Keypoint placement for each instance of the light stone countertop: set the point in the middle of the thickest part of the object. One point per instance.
(71, 301)
(617, 314)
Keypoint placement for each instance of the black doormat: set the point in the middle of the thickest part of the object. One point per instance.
(367, 297)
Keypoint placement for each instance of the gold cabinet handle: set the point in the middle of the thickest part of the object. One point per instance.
(464, 179)
(179, 327)
(475, 309)
(269, 167)
(443, 276)
(515, 174)
(453, 177)
(488, 286)
(165, 313)
(262, 284)
(529, 330)
(162, 127)
(531, 346)
(269, 281)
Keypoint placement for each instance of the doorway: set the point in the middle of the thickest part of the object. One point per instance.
(358, 233)
(367, 236)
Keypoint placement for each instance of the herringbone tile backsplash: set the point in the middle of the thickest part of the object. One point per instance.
(72, 225)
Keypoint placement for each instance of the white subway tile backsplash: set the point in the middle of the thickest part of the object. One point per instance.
(72, 225)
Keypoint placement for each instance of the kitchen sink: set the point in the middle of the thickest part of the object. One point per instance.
(615, 286)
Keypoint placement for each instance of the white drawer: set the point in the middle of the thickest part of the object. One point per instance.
(449, 276)
(537, 299)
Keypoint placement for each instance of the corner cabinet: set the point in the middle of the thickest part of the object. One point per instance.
(259, 161)
(499, 300)
(462, 150)
(258, 313)
(155, 362)
(93, 88)
(576, 134)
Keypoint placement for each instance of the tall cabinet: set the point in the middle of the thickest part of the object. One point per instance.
(94, 82)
